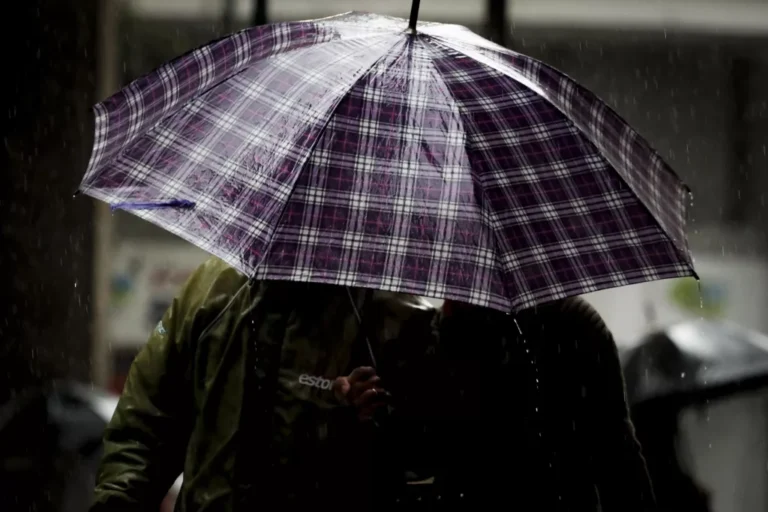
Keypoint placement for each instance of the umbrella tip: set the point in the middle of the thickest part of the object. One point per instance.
(415, 4)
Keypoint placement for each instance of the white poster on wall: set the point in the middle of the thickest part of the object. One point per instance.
(146, 276)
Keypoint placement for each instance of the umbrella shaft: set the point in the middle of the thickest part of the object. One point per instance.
(414, 14)
(362, 327)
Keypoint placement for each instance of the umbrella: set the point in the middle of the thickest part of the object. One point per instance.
(364, 150)
(696, 360)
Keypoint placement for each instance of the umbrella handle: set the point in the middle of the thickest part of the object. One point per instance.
(360, 323)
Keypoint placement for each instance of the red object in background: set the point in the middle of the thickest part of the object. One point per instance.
(118, 382)
(121, 364)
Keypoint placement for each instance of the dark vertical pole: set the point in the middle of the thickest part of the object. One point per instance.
(738, 193)
(496, 21)
(46, 236)
(229, 15)
(260, 12)
(414, 14)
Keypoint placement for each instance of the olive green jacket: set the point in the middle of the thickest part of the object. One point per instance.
(234, 390)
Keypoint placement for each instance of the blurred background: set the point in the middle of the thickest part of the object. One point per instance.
(82, 288)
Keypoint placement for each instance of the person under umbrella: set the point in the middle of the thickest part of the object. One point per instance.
(355, 151)
(237, 388)
(536, 398)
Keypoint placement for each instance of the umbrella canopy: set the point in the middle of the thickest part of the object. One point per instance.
(354, 150)
(696, 360)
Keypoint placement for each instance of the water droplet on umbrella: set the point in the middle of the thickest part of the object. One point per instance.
(701, 295)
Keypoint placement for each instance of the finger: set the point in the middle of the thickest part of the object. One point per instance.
(341, 387)
(371, 396)
(360, 388)
(361, 374)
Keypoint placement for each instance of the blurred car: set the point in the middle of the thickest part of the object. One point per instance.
(695, 361)
(51, 445)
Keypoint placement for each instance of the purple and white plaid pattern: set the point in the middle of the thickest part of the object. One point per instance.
(346, 151)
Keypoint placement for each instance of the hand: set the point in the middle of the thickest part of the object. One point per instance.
(361, 390)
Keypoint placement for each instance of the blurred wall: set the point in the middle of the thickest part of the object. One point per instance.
(724, 445)
(46, 237)
(673, 91)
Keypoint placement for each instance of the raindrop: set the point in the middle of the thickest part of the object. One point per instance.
(701, 295)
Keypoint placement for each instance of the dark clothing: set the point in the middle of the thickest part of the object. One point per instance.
(536, 420)
(234, 388)
(657, 428)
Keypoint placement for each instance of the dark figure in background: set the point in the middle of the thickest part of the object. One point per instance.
(533, 413)
(657, 430)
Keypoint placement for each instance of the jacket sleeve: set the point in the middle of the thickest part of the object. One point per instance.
(145, 441)
(622, 477)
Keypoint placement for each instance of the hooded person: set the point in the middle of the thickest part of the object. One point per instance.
(264, 396)
(533, 413)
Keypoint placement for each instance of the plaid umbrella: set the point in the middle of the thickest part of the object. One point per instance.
(352, 150)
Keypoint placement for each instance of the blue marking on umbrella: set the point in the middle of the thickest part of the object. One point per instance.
(174, 203)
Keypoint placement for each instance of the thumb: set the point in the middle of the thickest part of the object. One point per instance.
(341, 387)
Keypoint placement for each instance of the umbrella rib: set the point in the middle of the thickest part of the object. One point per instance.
(100, 111)
(485, 61)
(311, 148)
(292, 50)
(468, 149)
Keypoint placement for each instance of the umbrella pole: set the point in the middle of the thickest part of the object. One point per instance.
(415, 4)
(360, 323)
(260, 12)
